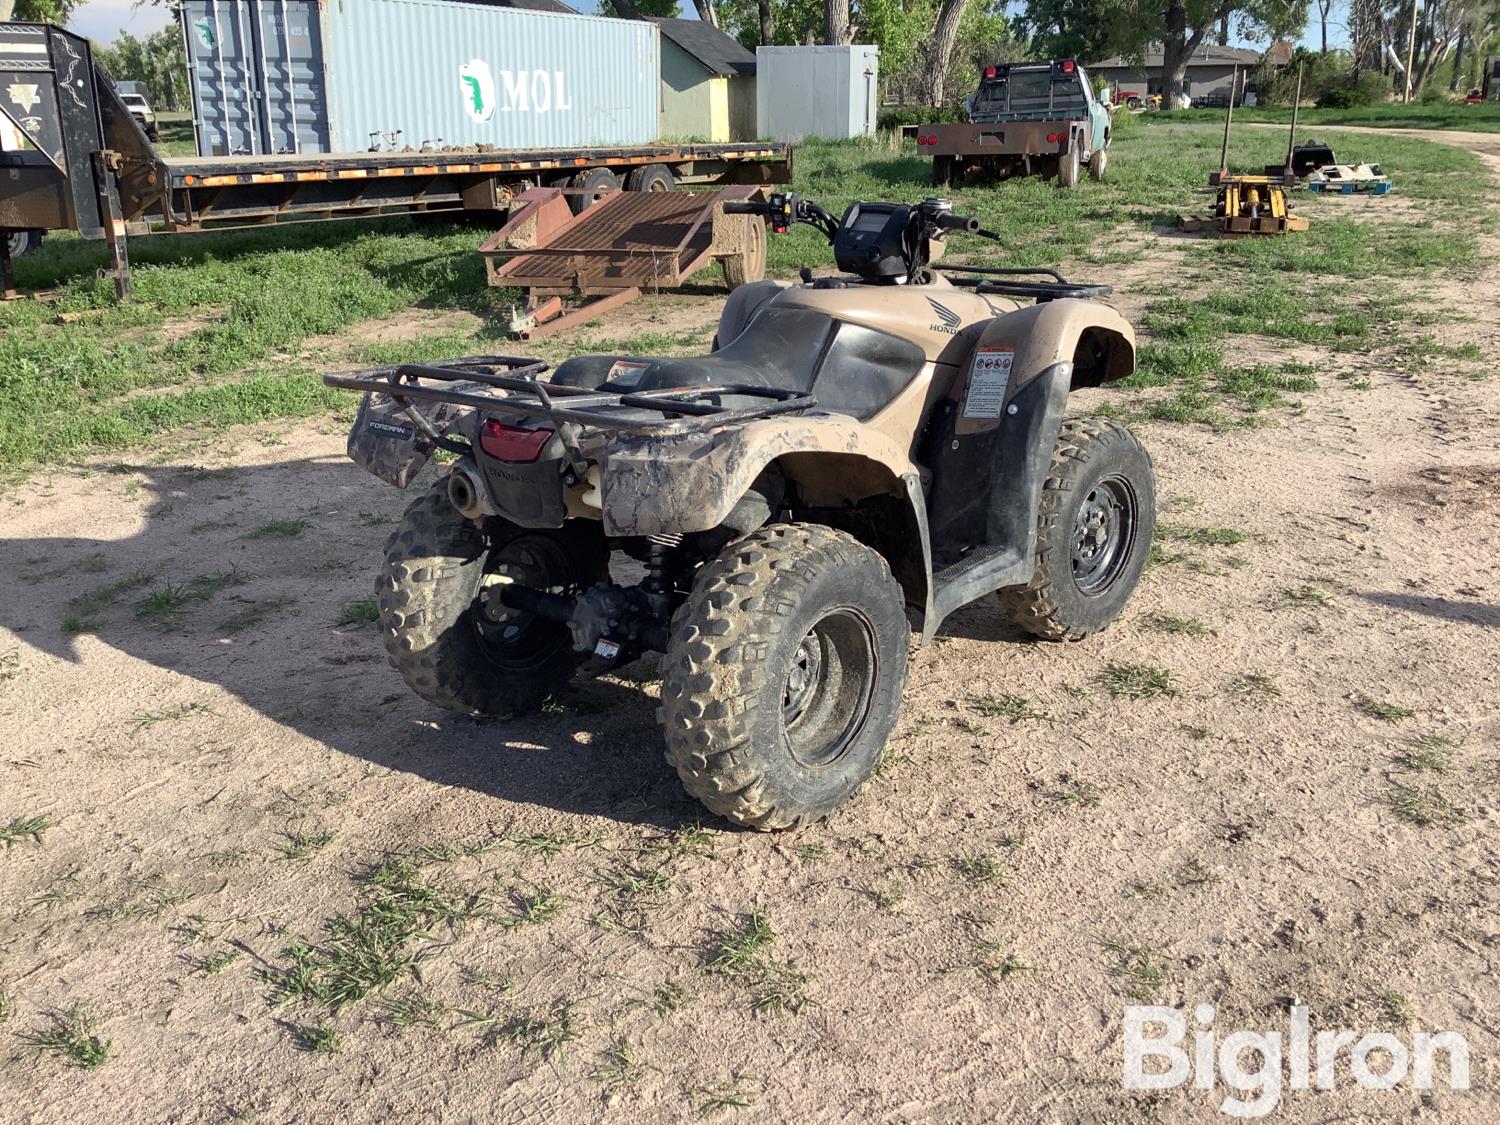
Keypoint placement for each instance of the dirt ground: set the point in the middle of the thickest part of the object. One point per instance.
(962, 937)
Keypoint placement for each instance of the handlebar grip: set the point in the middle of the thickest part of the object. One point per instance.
(746, 207)
(958, 222)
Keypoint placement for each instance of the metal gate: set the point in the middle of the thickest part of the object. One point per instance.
(257, 72)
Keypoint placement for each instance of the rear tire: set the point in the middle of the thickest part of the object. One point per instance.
(1067, 167)
(23, 242)
(1093, 532)
(783, 675)
(431, 615)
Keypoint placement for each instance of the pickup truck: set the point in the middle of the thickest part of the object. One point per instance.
(1039, 118)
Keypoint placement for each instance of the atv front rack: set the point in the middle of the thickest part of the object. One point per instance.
(508, 386)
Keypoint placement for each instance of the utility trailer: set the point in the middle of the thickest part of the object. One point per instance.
(73, 158)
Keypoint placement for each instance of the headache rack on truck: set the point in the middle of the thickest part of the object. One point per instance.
(508, 386)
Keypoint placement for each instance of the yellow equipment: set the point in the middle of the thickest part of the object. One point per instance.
(1250, 204)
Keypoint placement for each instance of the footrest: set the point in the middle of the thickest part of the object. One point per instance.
(980, 571)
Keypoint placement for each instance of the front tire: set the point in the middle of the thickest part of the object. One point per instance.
(432, 616)
(783, 675)
(1093, 530)
(1098, 164)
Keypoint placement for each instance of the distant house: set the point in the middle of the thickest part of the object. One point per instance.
(1207, 79)
(707, 83)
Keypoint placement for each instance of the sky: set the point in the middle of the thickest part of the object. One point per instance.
(102, 20)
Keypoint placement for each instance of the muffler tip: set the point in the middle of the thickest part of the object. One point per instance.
(464, 493)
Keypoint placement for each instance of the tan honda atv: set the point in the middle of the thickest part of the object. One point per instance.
(860, 456)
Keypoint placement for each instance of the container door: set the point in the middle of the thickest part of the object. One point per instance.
(289, 57)
(222, 67)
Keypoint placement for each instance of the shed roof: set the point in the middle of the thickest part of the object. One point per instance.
(529, 5)
(1207, 54)
(716, 51)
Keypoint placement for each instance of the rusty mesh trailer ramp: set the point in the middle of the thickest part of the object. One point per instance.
(625, 243)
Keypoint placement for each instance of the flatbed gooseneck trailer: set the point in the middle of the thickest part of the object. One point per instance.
(72, 158)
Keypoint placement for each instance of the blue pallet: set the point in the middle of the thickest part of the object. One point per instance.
(1349, 188)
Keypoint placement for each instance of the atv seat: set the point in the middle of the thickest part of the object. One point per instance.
(849, 368)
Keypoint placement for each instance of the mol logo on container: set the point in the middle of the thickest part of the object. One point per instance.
(518, 91)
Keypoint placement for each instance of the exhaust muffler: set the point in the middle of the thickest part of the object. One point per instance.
(467, 492)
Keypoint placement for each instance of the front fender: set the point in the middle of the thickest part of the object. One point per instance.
(1092, 338)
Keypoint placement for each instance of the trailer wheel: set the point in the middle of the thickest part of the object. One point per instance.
(595, 181)
(750, 264)
(23, 242)
(1067, 168)
(1132, 102)
(653, 177)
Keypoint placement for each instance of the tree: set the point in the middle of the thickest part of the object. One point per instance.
(940, 48)
(1183, 25)
(837, 29)
(39, 11)
(157, 61)
(641, 9)
(1324, 7)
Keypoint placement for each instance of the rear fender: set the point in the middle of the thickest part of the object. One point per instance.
(664, 486)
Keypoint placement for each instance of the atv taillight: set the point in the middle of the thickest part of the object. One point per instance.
(512, 443)
(989, 72)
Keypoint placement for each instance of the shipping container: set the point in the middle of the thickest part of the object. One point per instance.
(815, 91)
(300, 76)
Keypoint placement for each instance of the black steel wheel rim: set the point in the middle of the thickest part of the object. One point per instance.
(829, 689)
(511, 638)
(1103, 535)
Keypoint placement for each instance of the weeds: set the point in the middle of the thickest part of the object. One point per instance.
(980, 868)
(31, 828)
(1180, 626)
(532, 908)
(415, 1009)
(548, 1034)
(780, 988)
(1254, 686)
(301, 845)
(1305, 596)
(214, 963)
(734, 1093)
(995, 962)
(1015, 708)
(1424, 808)
(1139, 967)
(145, 719)
(1200, 536)
(10, 665)
(1137, 681)
(144, 899)
(359, 613)
(317, 1038)
(1428, 753)
(280, 529)
(738, 949)
(1075, 791)
(619, 1066)
(73, 1036)
(167, 601)
(253, 614)
(669, 997)
(403, 920)
(1381, 709)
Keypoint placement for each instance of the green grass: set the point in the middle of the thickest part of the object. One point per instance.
(226, 328)
(738, 949)
(1424, 808)
(1415, 115)
(280, 529)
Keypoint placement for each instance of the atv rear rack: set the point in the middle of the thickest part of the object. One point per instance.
(508, 386)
